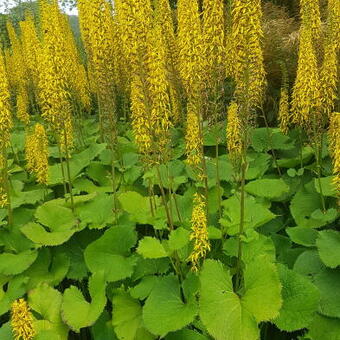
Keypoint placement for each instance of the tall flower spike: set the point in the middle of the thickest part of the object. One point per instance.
(22, 321)
(246, 51)
(23, 105)
(214, 38)
(306, 100)
(5, 112)
(190, 45)
(329, 69)
(334, 145)
(310, 16)
(193, 138)
(234, 133)
(199, 232)
(284, 115)
(36, 150)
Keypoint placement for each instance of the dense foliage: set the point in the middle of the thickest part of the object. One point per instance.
(173, 175)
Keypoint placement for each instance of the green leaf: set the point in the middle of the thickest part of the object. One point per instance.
(13, 264)
(268, 188)
(76, 311)
(300, 301)
(323, 328)
(178, 239)
(151, 248)
(226, 315)
(39, 235)
(303, 236)
(127, 318)
(259, 163)
(255, 214)
(164, 311)
(292, 158)
(143, 289)
(308, 263)
(16, 287)
(264, 139)
(328, 188)
(328, 243)
(55, 216)
(46, 301)
(303, 204)
(137, 206)
(103, 329)
(98, 212)
(77, 163)
(111, 253)
(28, 197)
(220, 308)
(186, 334)
(328, 282)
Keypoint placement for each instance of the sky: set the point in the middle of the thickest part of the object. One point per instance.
(2, 8)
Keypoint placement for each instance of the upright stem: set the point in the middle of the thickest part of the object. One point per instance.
(241, 227)
(169, 217)
(68, 170)
(62, 170)
(318, 156)
(218, 181)
(7, 187)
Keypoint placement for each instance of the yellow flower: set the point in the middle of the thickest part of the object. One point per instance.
(199, 232)
(23, 106)
(193, 138)
(234, 133)
(190, 47)
(5, 112)
(22, 320)
(334, 145)
(283, 115)
(36, 152)
(306, 100)
(310, 15)
(247, 65)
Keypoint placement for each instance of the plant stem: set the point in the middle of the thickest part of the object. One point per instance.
(62, 170)
(241, 227)
(318, 156)
(218, 181)
(163, 196)
(7, 186)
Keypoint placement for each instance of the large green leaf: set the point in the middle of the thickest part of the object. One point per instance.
(308, 263)
(256, 214)
(164, 311)
(300, 301)
(328, 282)
(16, 287)
(268, 188)
(98, 212)
(111, 253)
(303, 236)
(103, 329)
(12, 264)
(228, 316)
(46, 301)
(127, 318)
(259, 163)
(323, 328)
(76, 311)
(186, 334)
(266, 139)
(151, 248)
(328, 188)
(77, 163)
(328, 243)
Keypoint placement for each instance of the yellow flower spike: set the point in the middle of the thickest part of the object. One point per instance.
(199, 232)
(334, 146)
(214, 38)
(190, 47)
(36, 152)
(310, 15)
(247, 65)
(284, 114)
(5, 112)
(306, 101)
(22, 320)
(23, 106)
(234, 133)
(193, 138)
